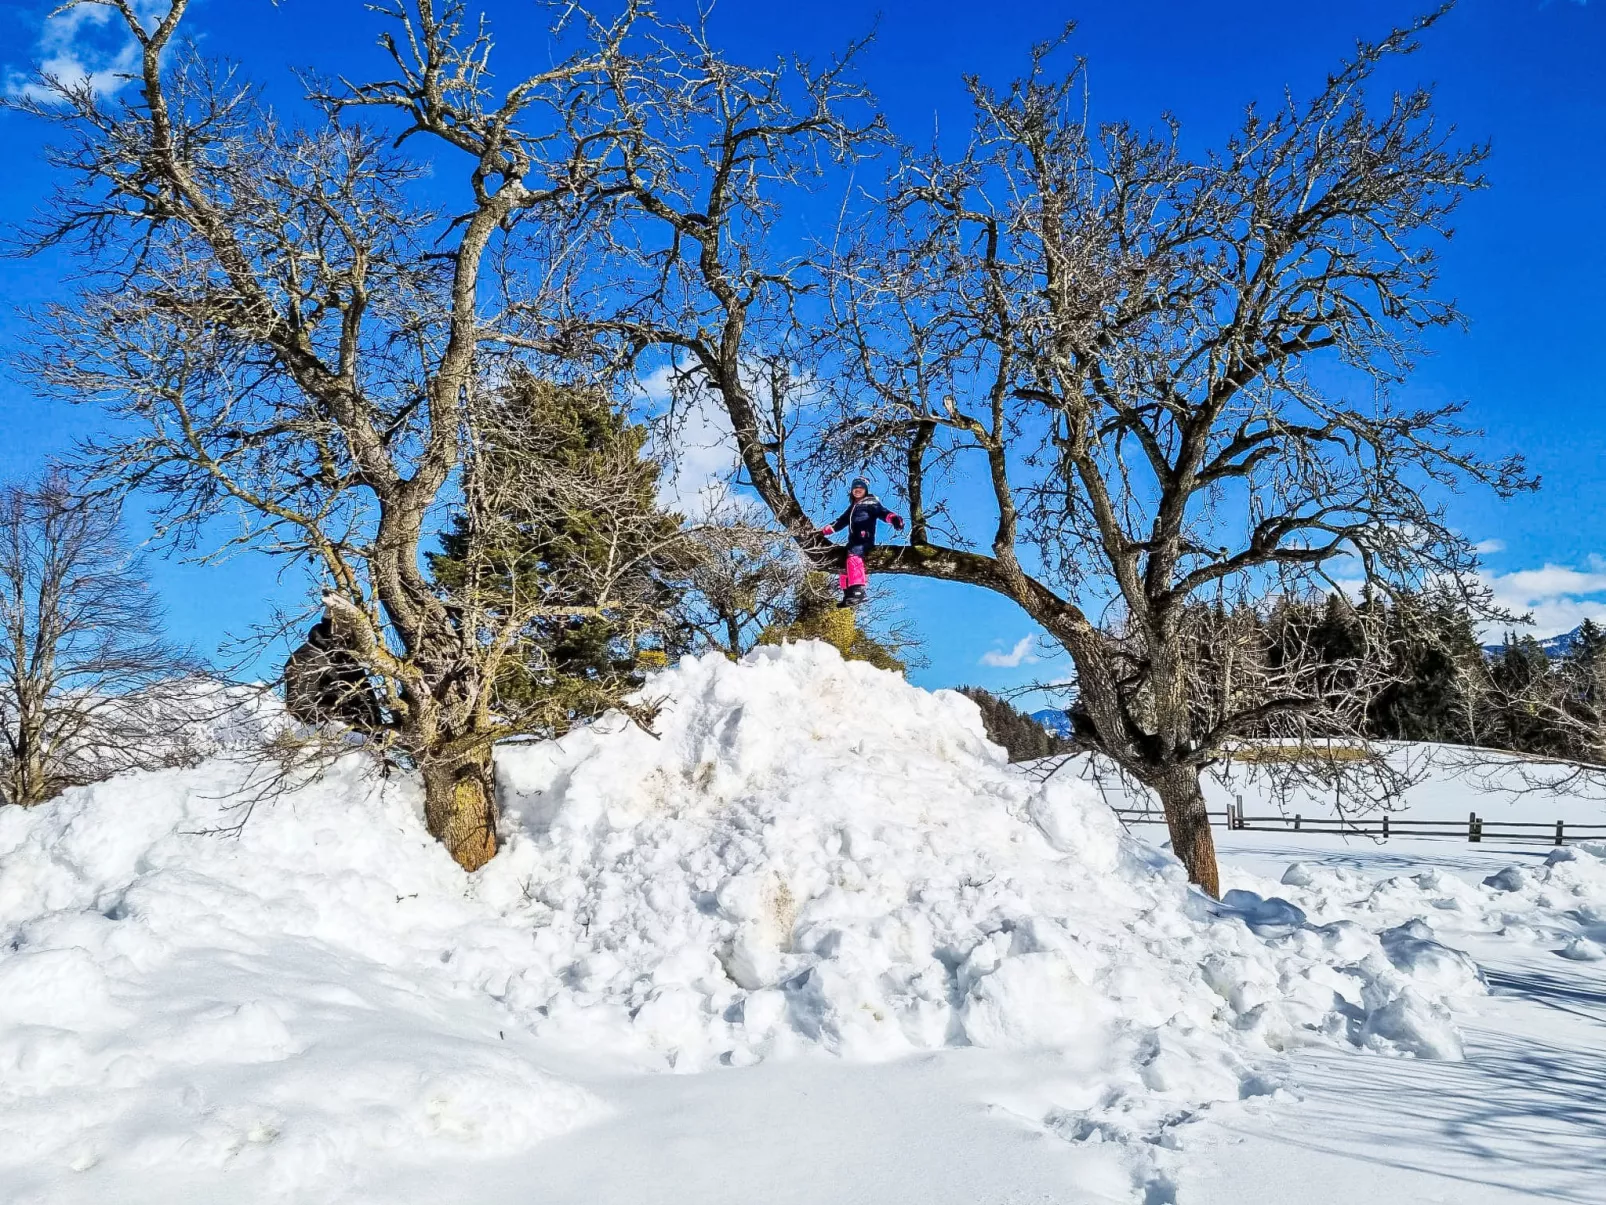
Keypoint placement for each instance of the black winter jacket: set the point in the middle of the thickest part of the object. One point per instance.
(859, 522)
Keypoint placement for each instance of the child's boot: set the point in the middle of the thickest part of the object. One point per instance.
(853, 580)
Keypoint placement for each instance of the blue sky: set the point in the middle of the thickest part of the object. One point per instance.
(1528, 264)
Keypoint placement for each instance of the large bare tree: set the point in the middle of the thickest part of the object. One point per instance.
(292, 340)
(1168, 373)
(82, 650)
(1166, 376)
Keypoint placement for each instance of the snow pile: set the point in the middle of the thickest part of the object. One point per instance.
(806, 856)
(812, 854)
(279, 1007)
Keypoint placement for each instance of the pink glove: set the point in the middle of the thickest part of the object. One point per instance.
(827, 530)
(896, 521)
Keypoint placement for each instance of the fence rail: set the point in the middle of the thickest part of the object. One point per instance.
(1473, 829)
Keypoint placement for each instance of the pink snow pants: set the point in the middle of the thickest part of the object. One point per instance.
(855, 575)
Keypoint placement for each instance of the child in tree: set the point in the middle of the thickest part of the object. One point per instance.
(860, 518)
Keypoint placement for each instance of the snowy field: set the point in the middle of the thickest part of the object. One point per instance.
(1521, 1117)
(1439, 783)
(777, 954)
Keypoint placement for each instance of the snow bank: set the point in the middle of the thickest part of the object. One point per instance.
(281, 1008)
(807, 857)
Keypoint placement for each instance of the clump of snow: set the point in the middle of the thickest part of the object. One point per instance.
(1509, 878)
(806, 856)
(1561, 899)
(1563, 892)
(1582, 949)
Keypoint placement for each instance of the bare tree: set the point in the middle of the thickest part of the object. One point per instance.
(290, 338)
(1148, 358)
(743, 580)
(747, 584)
(1172, 373)
(83, 647)
(1130, 341)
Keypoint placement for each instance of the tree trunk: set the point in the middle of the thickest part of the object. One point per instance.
(1185, 815)
(460, 808)
(28, 770)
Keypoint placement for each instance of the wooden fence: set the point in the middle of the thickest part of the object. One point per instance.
(1474, 828)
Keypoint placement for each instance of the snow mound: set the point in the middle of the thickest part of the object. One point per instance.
(811, 854)
(280, 1007)
(806, 856)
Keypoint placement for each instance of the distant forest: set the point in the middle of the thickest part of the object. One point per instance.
(1412, 669)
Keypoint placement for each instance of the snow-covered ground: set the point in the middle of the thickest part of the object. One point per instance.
(1440, 783)
(813, 941)
(1522, 1117)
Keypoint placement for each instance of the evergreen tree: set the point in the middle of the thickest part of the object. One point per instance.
(1586, 663)
(1338, 634)
(1589, 643)
(1438, 667)
(561, 510)
(1519, 712)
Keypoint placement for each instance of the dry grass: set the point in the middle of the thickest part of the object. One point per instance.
(1271, 754)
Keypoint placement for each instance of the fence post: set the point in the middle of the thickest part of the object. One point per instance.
(1385, 826)
(1238, 814)
(1472, 827)
(1297, 819)
(1560, 834)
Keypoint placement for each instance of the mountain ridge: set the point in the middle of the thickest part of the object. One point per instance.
(1554, 647)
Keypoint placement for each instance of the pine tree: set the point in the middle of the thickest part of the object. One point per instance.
(1519, 706)
(561, 510)
(1586, 662)
(1583, 704)
(1437, 667)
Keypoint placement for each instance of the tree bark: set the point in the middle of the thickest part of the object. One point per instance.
(460, 808)
(28, 775)
(1189, 823)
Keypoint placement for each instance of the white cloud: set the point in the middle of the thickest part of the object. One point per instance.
(1551, 581)
(82, 43)
(1486, 547)
(1558, 596)
(691, 438)
(1021, 654)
